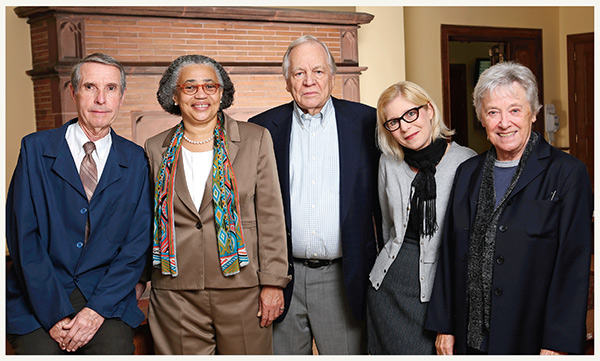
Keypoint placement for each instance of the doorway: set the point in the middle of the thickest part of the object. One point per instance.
(479, 47)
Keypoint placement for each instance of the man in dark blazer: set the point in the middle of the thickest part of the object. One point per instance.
(327, 163)
(78, 243)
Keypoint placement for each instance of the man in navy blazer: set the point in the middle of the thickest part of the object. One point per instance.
(77, 256)
(327, 163)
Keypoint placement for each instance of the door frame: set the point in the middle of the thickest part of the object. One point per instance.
(571, 41)
(488, 34)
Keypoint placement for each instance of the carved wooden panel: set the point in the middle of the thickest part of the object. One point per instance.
(70, 39)
(349, 46)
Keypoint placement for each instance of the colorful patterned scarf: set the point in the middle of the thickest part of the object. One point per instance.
(232, 250)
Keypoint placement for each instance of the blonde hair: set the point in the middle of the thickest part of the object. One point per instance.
(414, 94)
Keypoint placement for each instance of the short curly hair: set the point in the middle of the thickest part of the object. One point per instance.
(168, 82)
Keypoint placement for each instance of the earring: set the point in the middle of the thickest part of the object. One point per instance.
(175, 103)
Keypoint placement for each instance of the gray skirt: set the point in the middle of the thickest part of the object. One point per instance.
(395, 313)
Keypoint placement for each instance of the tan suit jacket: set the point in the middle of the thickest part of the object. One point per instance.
(261, 207)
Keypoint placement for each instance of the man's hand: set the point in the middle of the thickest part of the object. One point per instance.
(82, 329)
(58, 333)
(552, 353)
(444, 344)
(270, 305)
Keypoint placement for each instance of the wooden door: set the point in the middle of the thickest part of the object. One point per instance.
(523, 51)
(458, 106)
(523, 45)
(580, 64)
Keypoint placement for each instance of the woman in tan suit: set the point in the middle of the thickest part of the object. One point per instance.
(219, 255)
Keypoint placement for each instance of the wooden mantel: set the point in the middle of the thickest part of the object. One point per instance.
(248, 41)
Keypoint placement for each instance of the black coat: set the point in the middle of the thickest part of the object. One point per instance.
(541, 261)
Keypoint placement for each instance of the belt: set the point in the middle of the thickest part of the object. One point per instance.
(316, 263)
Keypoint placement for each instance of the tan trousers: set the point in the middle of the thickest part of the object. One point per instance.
(208, 322)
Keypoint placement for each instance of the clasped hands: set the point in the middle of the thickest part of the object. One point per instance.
(71, 334)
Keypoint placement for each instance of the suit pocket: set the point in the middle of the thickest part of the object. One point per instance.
(543, 221)
(118, 221)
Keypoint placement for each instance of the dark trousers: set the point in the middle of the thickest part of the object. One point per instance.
(114, 337)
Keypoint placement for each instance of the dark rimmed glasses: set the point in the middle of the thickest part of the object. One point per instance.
(192, 89)
(409, 116)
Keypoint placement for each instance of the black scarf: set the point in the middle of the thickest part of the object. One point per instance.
(424, 195)
(483, 244)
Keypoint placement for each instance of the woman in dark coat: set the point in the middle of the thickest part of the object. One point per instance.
(515, 260)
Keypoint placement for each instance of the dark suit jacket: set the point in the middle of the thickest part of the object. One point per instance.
(359, 207)
(542, 257)
(46, 213)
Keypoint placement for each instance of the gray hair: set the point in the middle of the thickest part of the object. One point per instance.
(504, 75)
(100, 59)
(302, 40)
(168, 82)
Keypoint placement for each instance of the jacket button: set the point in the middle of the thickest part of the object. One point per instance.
(79, 244)
(502, 228)
(498, 291)
(75, 278)
(500, 260)
(199, 225)
(289, 234)
(83, 210)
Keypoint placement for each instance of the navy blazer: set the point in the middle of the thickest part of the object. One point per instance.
(541, 260)
(359, 208)
(46, 214)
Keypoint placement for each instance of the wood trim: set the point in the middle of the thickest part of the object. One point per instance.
(208, 12)
(571, 41)
(487, 34)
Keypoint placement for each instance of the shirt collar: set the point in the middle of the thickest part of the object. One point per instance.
(323, 116)
(102, 145)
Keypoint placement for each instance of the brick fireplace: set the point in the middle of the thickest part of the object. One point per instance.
(248, 42)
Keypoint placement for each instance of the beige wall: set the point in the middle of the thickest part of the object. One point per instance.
(571, 20)
(423, 63)
(20, 116)
(381, 49)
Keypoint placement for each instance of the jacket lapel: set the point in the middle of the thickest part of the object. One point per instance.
(280, 133)
(349, 145)
(533, 166)
(232, 132)
(181, 189)
(112, 169)
(64, 165)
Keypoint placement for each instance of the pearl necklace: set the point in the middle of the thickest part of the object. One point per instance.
(200, 141)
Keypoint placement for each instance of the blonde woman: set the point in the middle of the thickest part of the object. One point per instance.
(416, 171)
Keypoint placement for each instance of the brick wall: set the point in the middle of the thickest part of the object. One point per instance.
(248, 42)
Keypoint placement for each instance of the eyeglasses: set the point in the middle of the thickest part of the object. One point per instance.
(409, 116)
(192, 89)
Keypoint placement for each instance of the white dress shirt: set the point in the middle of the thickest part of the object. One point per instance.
(197, 167)
(76, 138)
(315, 184)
